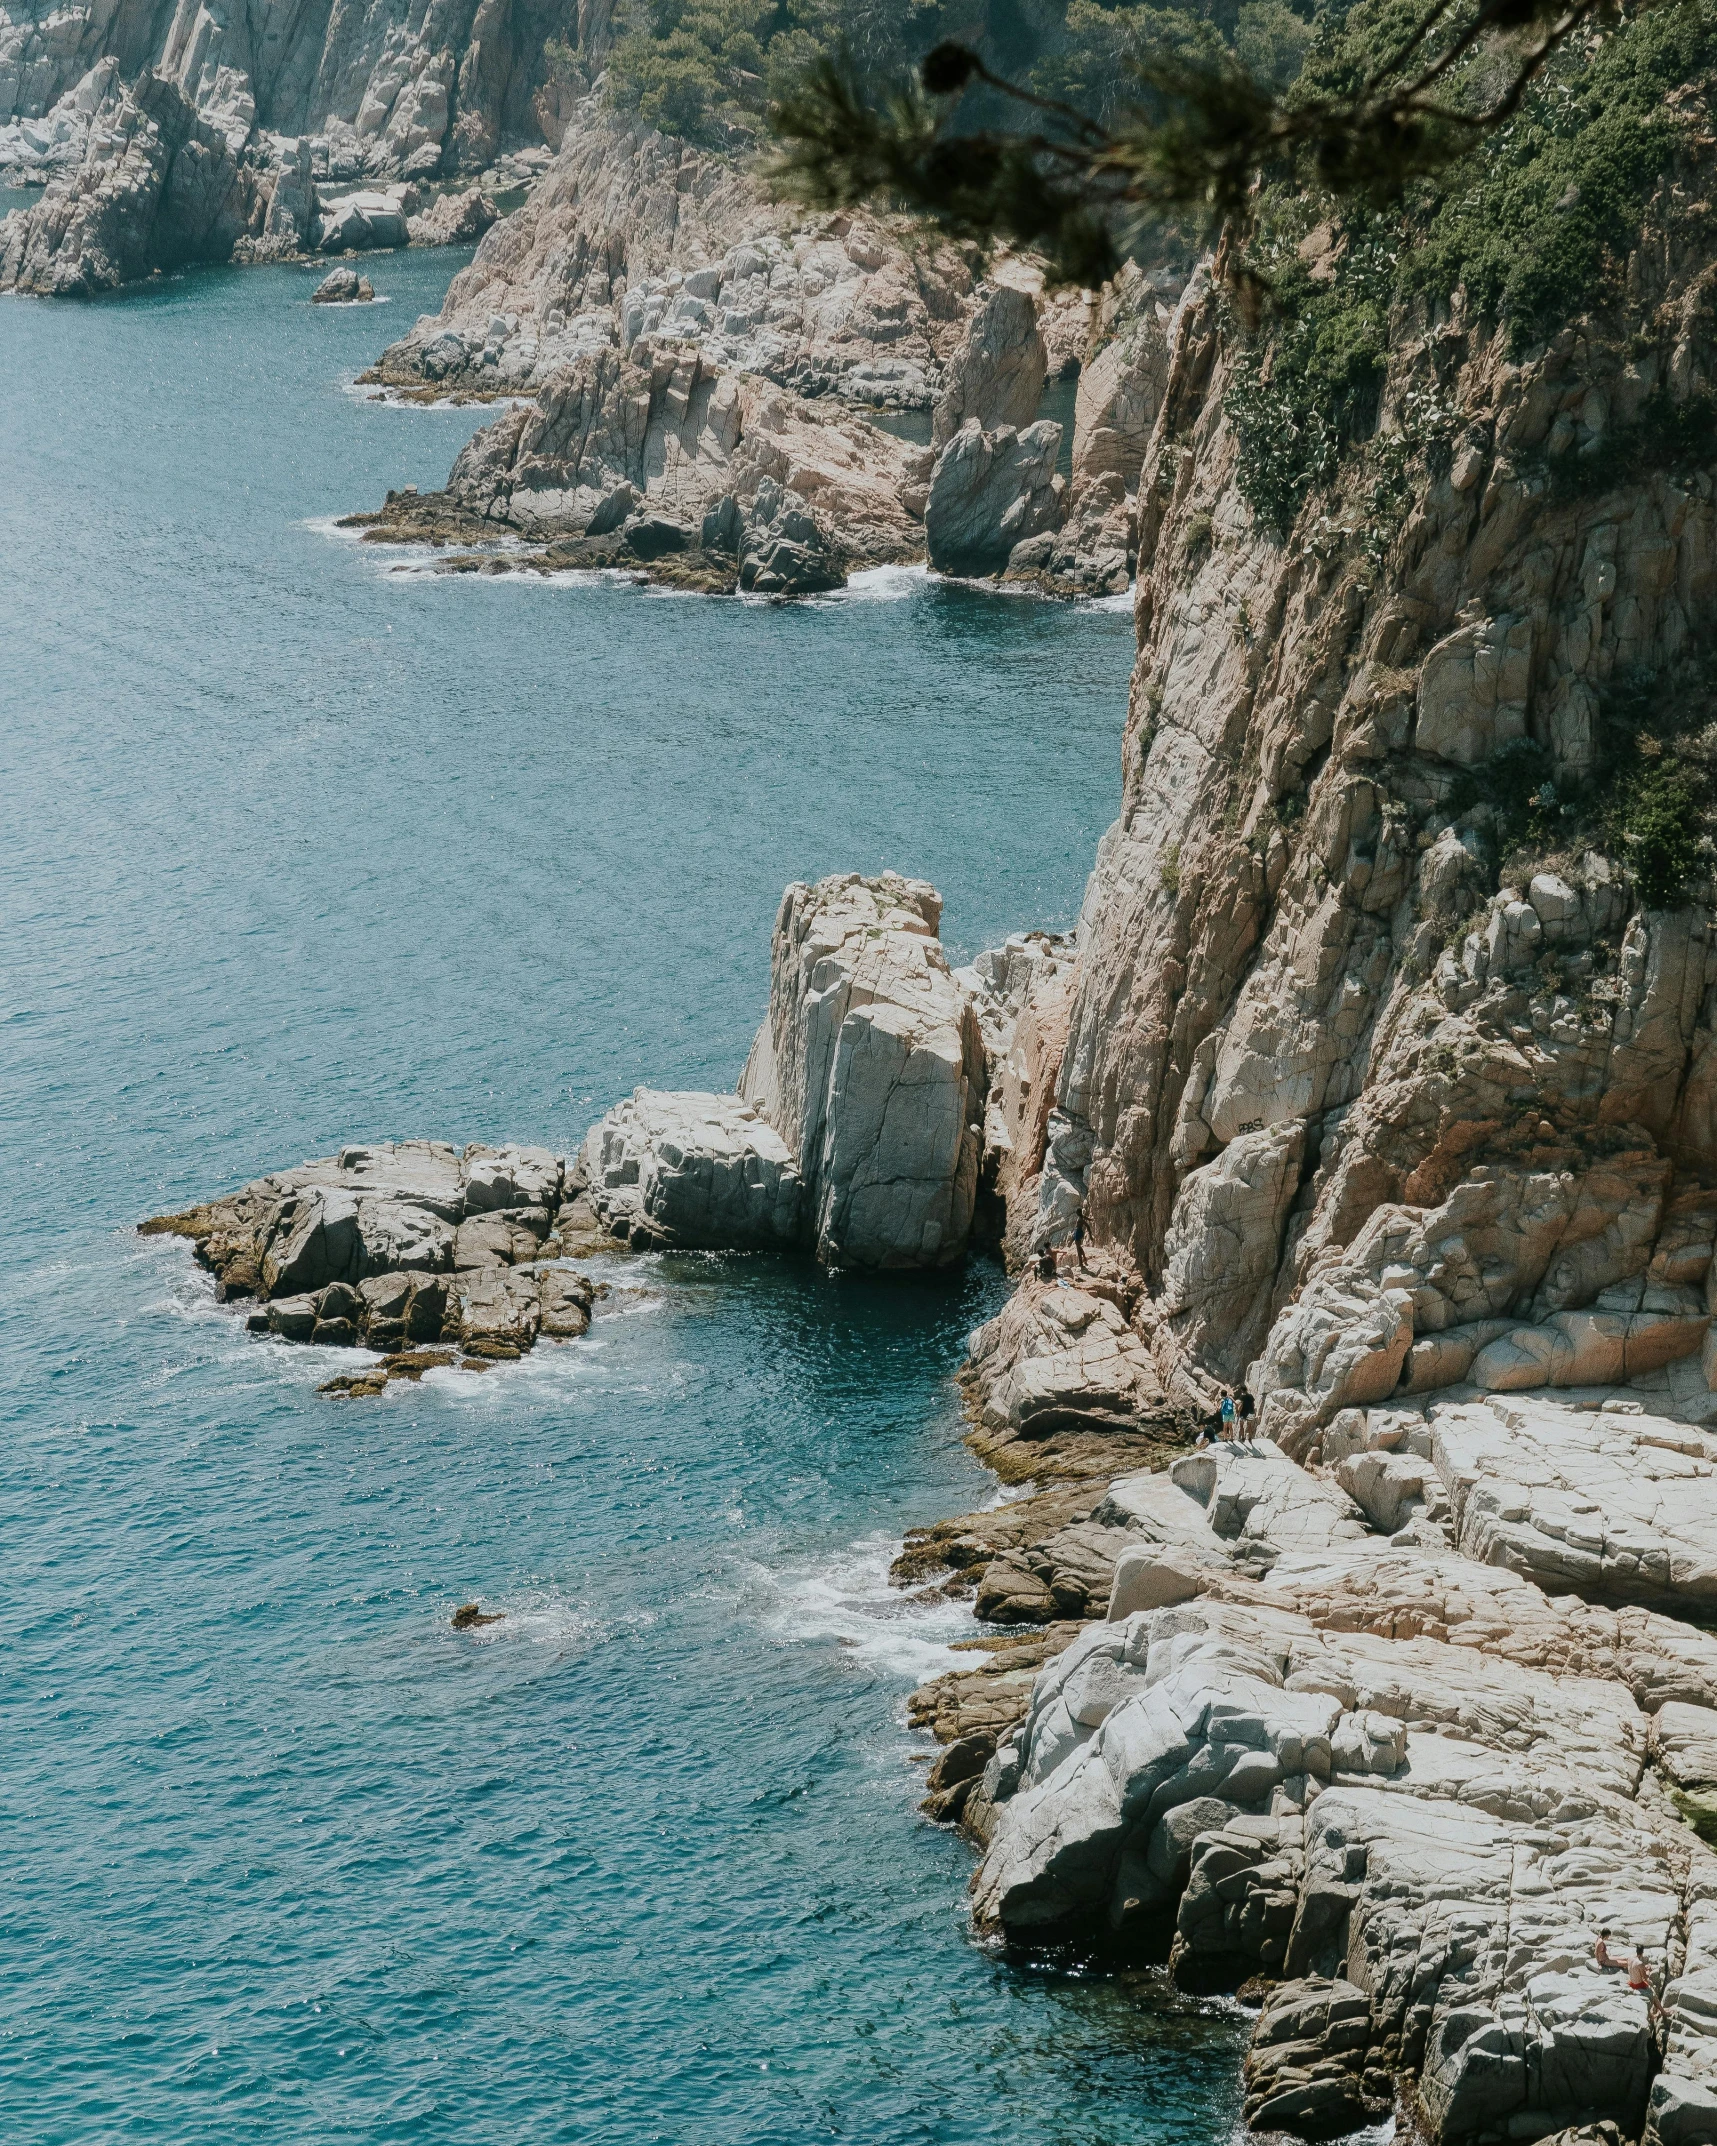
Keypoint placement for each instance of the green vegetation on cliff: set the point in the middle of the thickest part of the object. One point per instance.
(1534, 229)
(708, 69)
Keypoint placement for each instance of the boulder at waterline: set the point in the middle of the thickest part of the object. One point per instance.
(400, 1245)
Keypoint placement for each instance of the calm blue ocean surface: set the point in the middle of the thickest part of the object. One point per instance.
(296, 850)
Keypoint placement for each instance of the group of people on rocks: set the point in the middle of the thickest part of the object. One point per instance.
(1233, 1415)
(1044, 1259)
(1231, 1418)
(1632, 1965)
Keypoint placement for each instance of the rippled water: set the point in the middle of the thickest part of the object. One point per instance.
(295, 850)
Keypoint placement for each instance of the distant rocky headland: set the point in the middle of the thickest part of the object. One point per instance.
(709, 392)
(703, 386)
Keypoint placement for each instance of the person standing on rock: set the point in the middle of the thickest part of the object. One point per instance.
(1228, 1415)
(1079, 1239)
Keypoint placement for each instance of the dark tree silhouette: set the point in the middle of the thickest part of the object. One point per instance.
(1192, 144)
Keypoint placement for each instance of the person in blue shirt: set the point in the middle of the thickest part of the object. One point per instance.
(1228, 1415)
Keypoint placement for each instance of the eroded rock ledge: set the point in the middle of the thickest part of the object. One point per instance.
(423, 1252)
(1405, 1786)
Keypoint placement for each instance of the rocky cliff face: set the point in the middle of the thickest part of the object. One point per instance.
(214, 132)
(382, 89)
(1363, 1073)
(1382, 1082)
(166, 188)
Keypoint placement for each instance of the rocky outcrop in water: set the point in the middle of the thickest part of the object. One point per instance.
(699, 1171)
(989, 492)
(696, 357)
(871, 1065)
(994, 481)
(857, 1128)
(1093, 549)
(158, 186)
(405, 1247)
(343, 287)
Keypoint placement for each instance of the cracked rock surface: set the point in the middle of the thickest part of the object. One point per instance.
(857, 1130)
(402, 1247)
(1407, 1787)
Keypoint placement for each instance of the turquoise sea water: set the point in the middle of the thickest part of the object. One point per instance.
(295, 850)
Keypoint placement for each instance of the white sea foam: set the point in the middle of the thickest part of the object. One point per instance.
(1121, 602)
(872, 585)
(328, 525)
(1382, 2134)
(848, 1599)
(387, 398)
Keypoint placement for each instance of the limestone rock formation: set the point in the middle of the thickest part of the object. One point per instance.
(993, 484)
(871, 1065)
(401, 1247)
(694, 355)
(725, 454)
(1094, 550)
(1410, 1786)
(634, 234)
(1352, 1097)
(693, 1170)
(991, 492)
(1380, 1082)
(375, 91)
(157, 186)
(456, 219)
(996, 375)
(34, 145)
(1056, 1356)
(364, 219)
(858, 1126)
